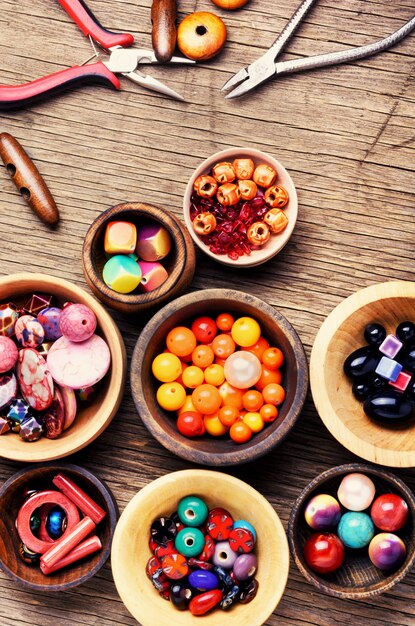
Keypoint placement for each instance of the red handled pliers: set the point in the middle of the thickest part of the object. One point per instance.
(121, 61)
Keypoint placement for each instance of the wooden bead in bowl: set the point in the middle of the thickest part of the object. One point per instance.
(92, 418)
(357, 578)
(162, 424)
(180, 262)
(11, 499)
(341, 333)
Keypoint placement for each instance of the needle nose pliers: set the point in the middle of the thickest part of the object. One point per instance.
(123, 60)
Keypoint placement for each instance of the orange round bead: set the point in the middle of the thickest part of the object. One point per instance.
(267, 377)
(206, 399)
(203, 356)
(273, 358)
(240, 432)
(268, 412)
(230, 395)
(252, 400)
(224, 322)
(258, 348)
(223, 346)
(228, 415)
(273, 394)
(181, 341)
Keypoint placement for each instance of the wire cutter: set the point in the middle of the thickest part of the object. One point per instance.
(121, 61)
(266, 67)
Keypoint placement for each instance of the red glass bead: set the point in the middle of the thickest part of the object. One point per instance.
(175, 566)
(199, 564)
(153, 564)
(389, 512)
(324, 552)
(219, 526)
(204, 602)
(241, 540)
(208, 550)
(163, 550)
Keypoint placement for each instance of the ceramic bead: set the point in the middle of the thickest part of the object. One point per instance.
(241, 540)
(49, 319)
(153, 242)
(406, 332)
(324, 552)
(18, 411)
(249, 592)
(374, 334)
(122, 274)
(78, 365)
(245, 566)
(120, 237)
(56, 523)
(389, 407)
(31, 429)
(163, 530)
(192, 511)
(224, 556)
(242, 369)
(8, 389)
(389, 512)
(203, 580)
(8, 354)
(387, 551)
(54, 416)
(36, 303)
(356, 492)
(29, 333)
(190, 542)
(390, 346)
(362, 363)
(355, 529)
(241, 523)
(77, 322)
(388, 368)
(219, 526)
(322, 512)
(153, 275)
(8, 317)
(35, 381)
(201, 604)
(180, 596)
(175, 566)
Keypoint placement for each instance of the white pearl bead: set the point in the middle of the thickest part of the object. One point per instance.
(356, 492)
(242, 369)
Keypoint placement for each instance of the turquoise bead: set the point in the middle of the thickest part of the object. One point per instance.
(355, 529)
(241, 523)
(189, 542)
(192, 511)
(121, 273)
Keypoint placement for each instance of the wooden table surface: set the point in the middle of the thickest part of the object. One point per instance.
(346, 135)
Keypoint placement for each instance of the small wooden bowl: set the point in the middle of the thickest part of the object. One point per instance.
(162, 424)
(130, 551)
(93, 418)
(11, 499)
(276, 242)
(180, 263)
(342, 333)
(357, 578)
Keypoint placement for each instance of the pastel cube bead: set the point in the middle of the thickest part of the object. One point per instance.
(153, 275)
(122, 274)
(388, 368)
(390, 346)
(401, 382)
(120, 238)
(153, 242)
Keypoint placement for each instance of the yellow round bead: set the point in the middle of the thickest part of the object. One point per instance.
(214, 374)
(254, 421)
(171, 396)
(245, 331)
(214, 426)
(189, 406)
(166, 367)
(193, 376)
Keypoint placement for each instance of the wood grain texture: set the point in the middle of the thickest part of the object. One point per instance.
(345, 134)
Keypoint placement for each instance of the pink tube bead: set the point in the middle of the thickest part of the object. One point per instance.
(63, 546)
(84, 549)
(79, 497)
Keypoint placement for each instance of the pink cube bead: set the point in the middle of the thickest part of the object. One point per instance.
(153, 275)
(401, 382)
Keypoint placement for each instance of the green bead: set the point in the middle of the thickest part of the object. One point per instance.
(192, 511)
(189, 542)
(121, 273)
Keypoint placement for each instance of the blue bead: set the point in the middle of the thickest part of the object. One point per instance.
(355, 529)
(203, 580)
(241, 523)
(189, 542)
(388, 368)
(192, 511)
(55, 523)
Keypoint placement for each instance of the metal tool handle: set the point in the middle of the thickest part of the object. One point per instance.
(290, 28)
(345, 56)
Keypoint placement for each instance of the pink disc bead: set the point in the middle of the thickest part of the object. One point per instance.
(153, 242)
(152, 275)
(8, 354)
(77, 322)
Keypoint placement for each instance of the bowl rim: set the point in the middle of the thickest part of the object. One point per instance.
(296, 511)
(280, 242)
(94, 277)
(117, 374)
(150, 491)
(112, 517)
(337, 428)
(237, 456)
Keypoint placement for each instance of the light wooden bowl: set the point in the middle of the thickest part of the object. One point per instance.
(40, 477)
(162, 424)
(357, 578)
(93, 418)
(341, 333)
(180, 263)
(130, 551)
(276, 242)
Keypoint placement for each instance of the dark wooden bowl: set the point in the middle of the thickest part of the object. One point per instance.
(11, 500)
(180, 263)
(162, 425)
(357, 578)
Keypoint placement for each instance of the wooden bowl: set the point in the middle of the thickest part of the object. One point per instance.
(341, 333)
(276, 242)
(180, 263)
(40, 477)
(357, 578)
(92, 419)
(130, 551)
(162, 425)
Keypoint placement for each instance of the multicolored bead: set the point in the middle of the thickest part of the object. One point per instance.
(8, 354)
(77, 322)
(18, 411)
(29, 333)
(56, 523)
(241, 523)
(4, 426)
(8, 389)
(31, 429)
(387, 551)
(35, 381)
(120, 237)
(122, 274)
(322, 512)
(49, 319)
(86, 394)
(175, 566)
(153, 242)
(388, 368)
(29, 557)
(153, 275)
(54, 416)
(8, 317)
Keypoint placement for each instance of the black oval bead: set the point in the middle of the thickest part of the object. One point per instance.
(361, 391)
(405, 332)
(374, 334)
(389, 407)
(180, 596)
(408, 360)
(361, 363)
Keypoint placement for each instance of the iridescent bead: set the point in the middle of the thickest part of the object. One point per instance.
(192, 511)
(86, 394)
(189, 542)
(37, 302)
(122, 274)
(5, 426)
(56, 523)
(242, 369)
(29, 557)
(322, 512)
(356, 492)
(153, 242)
(31, 429)
(8, 317)
(387, 551)
(224, 556)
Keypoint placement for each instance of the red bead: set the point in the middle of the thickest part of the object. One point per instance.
(199, 564)
(389, 512)
(153, 564)
(208, 550)
(219, 526)
(203, 603)
(86, 548)
(82, 500)
(324, 552)
(204, 329)
(152, 545)
(162, 551)
(190, 424)
(175, 566)
(241, 540)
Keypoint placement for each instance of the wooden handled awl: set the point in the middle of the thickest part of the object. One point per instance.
(28, 179)
(163, 18)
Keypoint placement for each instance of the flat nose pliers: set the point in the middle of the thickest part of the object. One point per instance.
(123, 60)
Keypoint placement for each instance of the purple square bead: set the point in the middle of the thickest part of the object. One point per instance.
(390, 346)
(388, 368)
